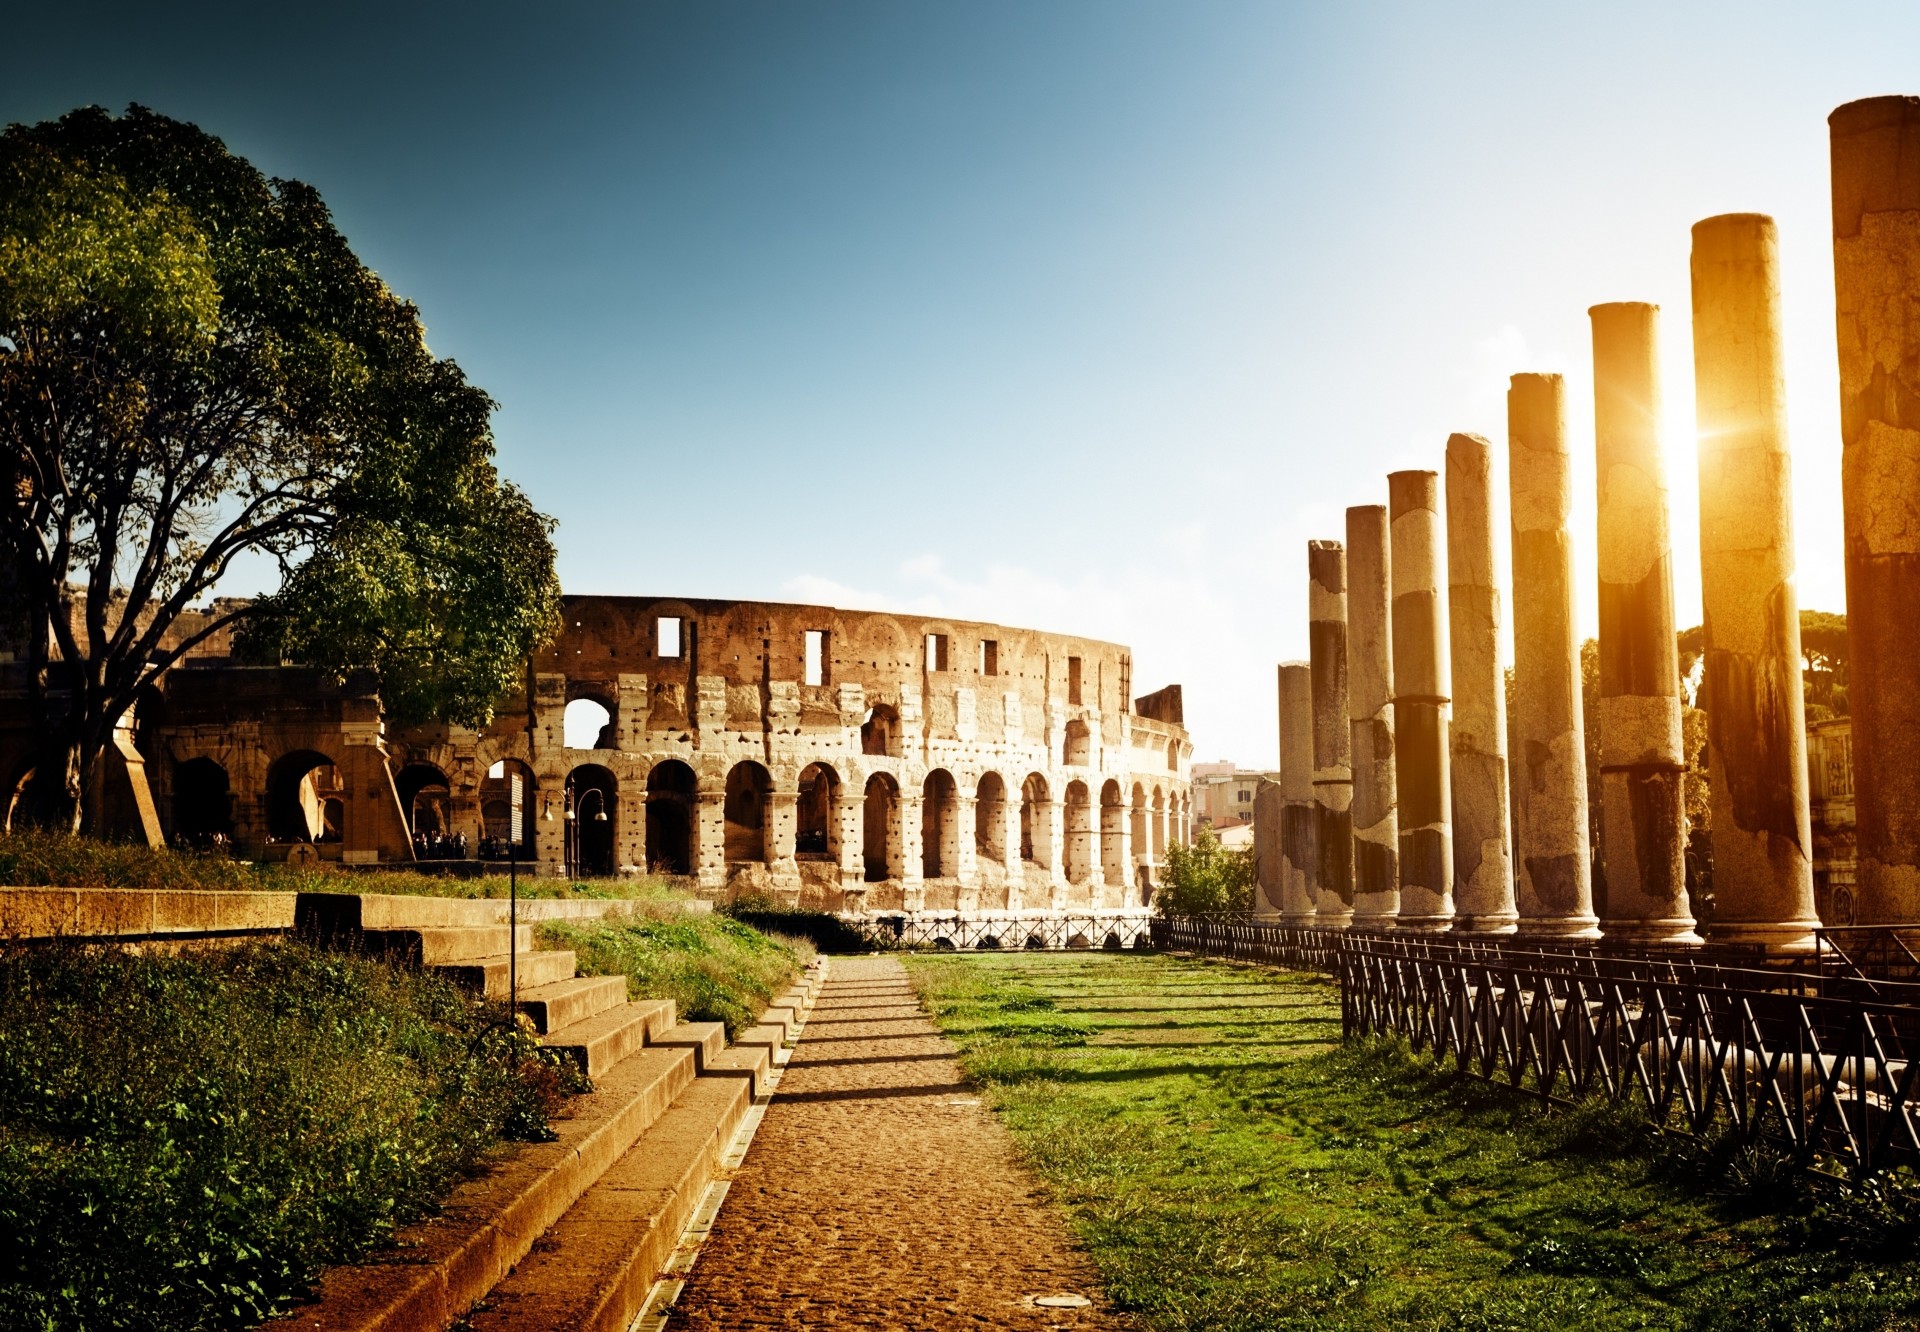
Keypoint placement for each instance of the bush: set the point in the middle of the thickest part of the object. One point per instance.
(1206, 877)
(822, 929)
(186, 1140)
(714, 968)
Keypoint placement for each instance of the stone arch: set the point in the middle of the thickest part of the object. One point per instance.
(496, 812)
(1173, 756)
(32, 802)
(587, 723)
(1077, 750)
(816, 833)
(304, 800)
(880, 827)
(672, 793)
(1142, 839)
(1113, 825)
(1036, 822)
(593, 795)
(426, 798)
(990, 818)
(1159, 824)
(202, 807)
(940, 826)
(1079, 831)
(749, 801)
(880, 732)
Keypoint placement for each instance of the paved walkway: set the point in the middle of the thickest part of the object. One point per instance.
(880, 1193)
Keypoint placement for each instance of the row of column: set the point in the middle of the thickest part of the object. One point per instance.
(1403, 803)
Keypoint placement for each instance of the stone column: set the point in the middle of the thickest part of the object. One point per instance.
(1876, 271)
(1296, 793)
(1376, 838)
(710, 839)
(1332, 734)
(911, 870)
(1643, 808)
(965, 868)
(1555, 887)
(1482, 845)
(1756, 717)
(1422, 690)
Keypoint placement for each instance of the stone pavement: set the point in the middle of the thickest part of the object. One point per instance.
(880, 1193)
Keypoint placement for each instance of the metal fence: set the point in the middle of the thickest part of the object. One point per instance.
(1815, 1058)
(969, 932)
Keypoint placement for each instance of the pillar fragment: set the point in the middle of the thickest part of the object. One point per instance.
(1876, 271)
(1643, 810)
(1482, 841)
(1332, 735)
(1554, 885)
(1422, 693)
(1756, 721)
(1296, 793)
(1376, 838)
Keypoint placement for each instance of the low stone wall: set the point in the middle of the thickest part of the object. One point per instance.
(136, 915)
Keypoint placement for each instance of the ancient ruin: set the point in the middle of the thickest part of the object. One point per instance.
(1376, 837)
(1332, 734)
(1422, 690)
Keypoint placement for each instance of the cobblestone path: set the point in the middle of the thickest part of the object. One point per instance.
(880, 1193)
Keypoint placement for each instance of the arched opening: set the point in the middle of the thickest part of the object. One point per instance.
(1113, 824)
(33, 802)
(880, 827)
(1079, 829)
(1036, 827)
(749, 796)
(304, 799)
(1159, 822)
(427, 797)
(1173, 756)
(1079, 745)
(880, 733)
(592, 796)
(939, 826)
(1140, 836)
(672, 793)
(990, 819)
(496, 811)
(816, 833)
(202, 805)
(587, 724)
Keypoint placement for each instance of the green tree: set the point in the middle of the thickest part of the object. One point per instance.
(1206, 877)
(1823, 657)
(195, 369)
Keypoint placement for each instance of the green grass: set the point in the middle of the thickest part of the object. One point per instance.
(186, 1139)
(54, 860)
(714, 968)
(1231, 1167)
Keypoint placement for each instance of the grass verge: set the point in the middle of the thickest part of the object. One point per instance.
(186, 1139)
(1231, 1167)
(714, 968)
(52, 860)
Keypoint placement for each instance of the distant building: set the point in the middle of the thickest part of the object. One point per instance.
(1830, 793)
(1223, 794)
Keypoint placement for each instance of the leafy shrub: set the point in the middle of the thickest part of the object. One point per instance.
(714, 968)
(1206, 877)
(824, 930)
(185, 1140)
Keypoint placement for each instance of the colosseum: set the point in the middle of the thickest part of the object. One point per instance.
(852, 761)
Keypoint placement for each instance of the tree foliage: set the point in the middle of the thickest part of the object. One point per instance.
(195, 369)
(1206, 877)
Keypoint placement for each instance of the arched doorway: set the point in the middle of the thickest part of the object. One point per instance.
(939, 826)
(1113, 829)
(496, 812)
(427, 797)
(304, 799)
(880, 828)
(816, 833)
(1078, 746)
(1159, 822)
(990, 819)
(202, 805)
(1036, 826)
(587, 724)
(592, 796)
(1079, 829)
(749, 796)
(880, 733)
(671, 797)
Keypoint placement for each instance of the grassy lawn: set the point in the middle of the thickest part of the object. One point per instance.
(1230, 1166)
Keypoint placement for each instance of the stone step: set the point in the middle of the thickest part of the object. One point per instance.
(488, 975)
(593, 1269)
(563, 1003)
(441, 1266)
(599, 1042)
(705, 1039)
(750, 1058)
(433, 945)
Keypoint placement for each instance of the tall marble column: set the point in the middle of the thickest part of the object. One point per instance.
(1332, 755)
(1376, 839)
(1555, 887)
(1482, 842)
(1296, 793)
(1756, 718)
(1422, 690)
(1876, 273)
(1643, 809)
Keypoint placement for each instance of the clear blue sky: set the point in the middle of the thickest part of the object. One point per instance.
(1082, 314)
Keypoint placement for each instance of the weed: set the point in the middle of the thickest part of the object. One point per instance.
(714, 968)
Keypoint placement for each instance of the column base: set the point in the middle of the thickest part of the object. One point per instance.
(1775, 936)
(1423, 924)
(1495, 924)
(1333, 920)
(1363, 919)
(1298, 920)
(1565, 928)
(1672, 932)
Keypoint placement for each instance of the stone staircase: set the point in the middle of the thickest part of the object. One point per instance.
(571, 1233)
